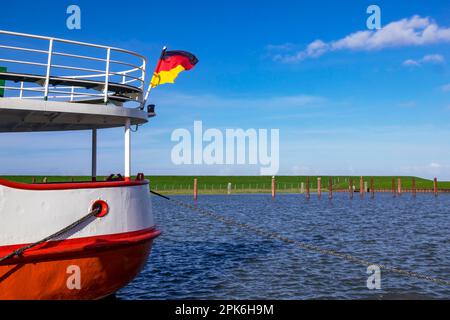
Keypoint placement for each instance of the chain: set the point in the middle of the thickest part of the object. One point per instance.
(20, 251)
(277, 236)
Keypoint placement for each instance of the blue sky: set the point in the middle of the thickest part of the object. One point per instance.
(372, 103)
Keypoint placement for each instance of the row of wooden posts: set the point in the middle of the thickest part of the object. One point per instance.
(363, 189)
(396, 189)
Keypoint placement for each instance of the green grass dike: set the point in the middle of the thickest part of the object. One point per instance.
(249, 184)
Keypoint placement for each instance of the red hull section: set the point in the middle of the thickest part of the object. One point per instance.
(72, 185)
(87, 268)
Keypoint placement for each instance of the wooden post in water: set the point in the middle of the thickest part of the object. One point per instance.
(319, 191)
(393, 187)
(372, 190)
(273, 187)
(399, 186)
(435, 189)
(195, 189)
(350, 182)
(361, 187)
(330, 187)
(413, 187)
(307, 188)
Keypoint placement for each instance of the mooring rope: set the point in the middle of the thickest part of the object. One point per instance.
(274, 235)
(20, 251)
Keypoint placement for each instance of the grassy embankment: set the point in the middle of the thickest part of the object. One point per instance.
(249, 184)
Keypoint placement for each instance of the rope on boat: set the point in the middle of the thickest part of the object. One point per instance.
(20, 251)
(273, 235)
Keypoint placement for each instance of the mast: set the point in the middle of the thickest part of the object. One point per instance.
(127, 137)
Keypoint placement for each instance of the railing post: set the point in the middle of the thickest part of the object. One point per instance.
(71, 93)
(49, 64)
(21, 90)
(144, 66)
(108, 58)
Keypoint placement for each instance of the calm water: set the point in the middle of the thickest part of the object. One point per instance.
(200, 258)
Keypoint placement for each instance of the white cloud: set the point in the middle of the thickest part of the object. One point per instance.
(430, 170)
(408, 104)
(298, 170)
(280, 47)
(434, 165)
(411, 63)
(429, 58)
(314, 49)
(433, 58)
(414, 31)
(446, 87)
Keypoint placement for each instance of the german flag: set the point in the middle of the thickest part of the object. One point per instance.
(170, 64)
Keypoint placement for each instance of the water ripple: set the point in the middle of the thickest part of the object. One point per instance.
(200, 258)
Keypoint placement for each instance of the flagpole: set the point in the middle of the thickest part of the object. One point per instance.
(150, 84)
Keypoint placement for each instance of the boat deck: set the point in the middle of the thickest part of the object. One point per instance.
(20, 115)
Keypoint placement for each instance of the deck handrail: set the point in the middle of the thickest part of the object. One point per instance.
(71, 42)
(127, 72)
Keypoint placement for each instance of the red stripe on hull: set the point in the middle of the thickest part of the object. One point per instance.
(106, 264)
(72, 185)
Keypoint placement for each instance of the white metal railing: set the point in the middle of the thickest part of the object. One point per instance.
(96, 76)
